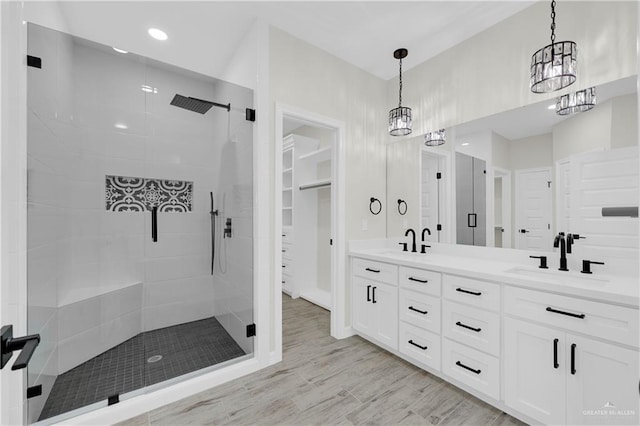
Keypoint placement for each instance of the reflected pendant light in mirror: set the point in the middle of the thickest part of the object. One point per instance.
(582, 100)
(400, 118)
(435, 138)
(554, 66)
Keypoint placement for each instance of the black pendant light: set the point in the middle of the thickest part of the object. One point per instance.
(400, 118)
(436, 138)
(554, 66)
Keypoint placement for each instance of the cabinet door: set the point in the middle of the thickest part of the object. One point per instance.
(533, 384)
(603, 386)
(385, 310)
(362, 316)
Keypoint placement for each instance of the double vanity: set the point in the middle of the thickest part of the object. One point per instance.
(543, 345)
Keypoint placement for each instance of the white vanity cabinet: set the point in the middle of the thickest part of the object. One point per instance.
(375, 301)
(558, 377)
(420, 316)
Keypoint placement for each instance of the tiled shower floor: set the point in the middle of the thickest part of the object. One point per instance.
(184, 348)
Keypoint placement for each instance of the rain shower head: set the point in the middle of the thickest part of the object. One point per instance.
(196, 105)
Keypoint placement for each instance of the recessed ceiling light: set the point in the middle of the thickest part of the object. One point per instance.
(465, 144)
(120, 50)
(553, 106)
(158, 34)
(120, 126)
(149, 89)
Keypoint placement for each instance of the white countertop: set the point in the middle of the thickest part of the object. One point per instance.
(514, 268)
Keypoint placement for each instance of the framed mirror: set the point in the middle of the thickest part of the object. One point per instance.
(517, 178)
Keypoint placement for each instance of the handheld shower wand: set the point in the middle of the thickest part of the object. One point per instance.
(213, 213)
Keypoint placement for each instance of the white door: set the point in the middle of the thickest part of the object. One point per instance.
(363, 319)
(534, 375)
(603, 386)
(385, 303)
(533, 209)
(429, 209)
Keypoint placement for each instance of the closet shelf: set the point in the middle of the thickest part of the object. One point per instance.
(323, 154)
(316, 184)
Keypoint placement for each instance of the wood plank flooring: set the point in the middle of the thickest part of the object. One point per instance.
(324, 381)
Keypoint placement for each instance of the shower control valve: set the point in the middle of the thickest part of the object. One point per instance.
(227, 228)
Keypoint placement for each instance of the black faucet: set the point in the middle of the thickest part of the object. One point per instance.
(560, 242)
(413, 234)
(570, 239)
(424, 246)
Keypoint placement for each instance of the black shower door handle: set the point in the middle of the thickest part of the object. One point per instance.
(473, 216)
(154, 223)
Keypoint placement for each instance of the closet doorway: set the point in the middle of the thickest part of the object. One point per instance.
(310, 245)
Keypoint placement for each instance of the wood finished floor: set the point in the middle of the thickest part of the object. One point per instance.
(324, 381)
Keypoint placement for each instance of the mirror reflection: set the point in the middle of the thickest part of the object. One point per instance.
(517, 178)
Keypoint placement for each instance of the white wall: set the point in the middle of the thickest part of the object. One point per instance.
(489, 73)
(304, 76)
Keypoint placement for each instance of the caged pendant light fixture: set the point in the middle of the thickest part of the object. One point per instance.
(400, 118)
(554, 66)
(580, 101)
(436, 138)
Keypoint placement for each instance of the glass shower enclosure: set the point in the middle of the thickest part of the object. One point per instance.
(140, 223)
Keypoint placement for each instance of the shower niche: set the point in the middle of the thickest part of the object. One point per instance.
(125, 155)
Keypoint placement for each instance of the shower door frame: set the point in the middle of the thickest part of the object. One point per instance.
(338, 215)
(13, 255)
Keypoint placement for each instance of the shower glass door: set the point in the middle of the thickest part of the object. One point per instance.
(123, 284)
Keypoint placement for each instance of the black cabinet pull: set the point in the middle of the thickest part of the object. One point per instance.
(373, 295)
(462, 290)
(459, 364)
(377, 271)
(555, 353)
(570, 314)
(459, 324)
(573, 358)
(418, 311)
(411, 342)
(418, 280)
(368, 295)
(154, 223)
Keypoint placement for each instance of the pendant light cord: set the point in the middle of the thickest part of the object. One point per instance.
(400, 92)
(553, 21)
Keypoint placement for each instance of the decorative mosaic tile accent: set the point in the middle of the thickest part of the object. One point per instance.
(136, 194)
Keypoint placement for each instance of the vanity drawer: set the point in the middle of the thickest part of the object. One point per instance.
(382, 272)
(481, 294)
(610, 322)
(420, 310)
(287, 283)
(287, 266)
(471, 367)
(420, 345)
(471, 326)
(420, 280)
(287, 235)
(286, 251)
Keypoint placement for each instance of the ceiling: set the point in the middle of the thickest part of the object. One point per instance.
(203, 35)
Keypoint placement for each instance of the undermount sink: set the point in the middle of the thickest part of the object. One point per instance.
(564, 277)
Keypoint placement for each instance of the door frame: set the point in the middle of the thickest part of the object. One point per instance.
(446, 210)
(338, 214)
(517, 197)
(505, 176)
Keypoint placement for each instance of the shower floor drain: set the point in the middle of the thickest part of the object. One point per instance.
(154, 358)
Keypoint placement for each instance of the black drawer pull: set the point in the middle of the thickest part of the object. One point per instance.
(411, 342)
(462, 290)
(377, 271)
(418, 311)
(459, 324)
(459, 364)
(373, 295)
(573, 358)
(418, 280)
(368, 295)
(555, 354)
(570, 314)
